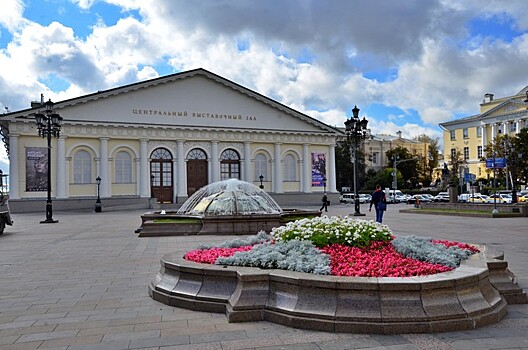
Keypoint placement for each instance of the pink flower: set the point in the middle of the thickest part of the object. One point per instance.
(209, 256)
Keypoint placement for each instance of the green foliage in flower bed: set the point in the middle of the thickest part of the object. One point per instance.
(324, 230)
(424, 249)
(261, 237)
(294, 255)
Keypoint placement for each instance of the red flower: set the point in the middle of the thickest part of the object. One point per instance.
(464, 246)
(209, 256)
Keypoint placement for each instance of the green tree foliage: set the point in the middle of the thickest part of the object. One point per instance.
(407, 166)
(426, 166)
(515, 150)
(345, 167)
(383, 178)
(457, 160)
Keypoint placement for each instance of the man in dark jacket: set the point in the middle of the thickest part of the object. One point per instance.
(378, 196)
(325, 203)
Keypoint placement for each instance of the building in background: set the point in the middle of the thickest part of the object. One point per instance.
(376, 147)
(168, 137)
(471, 135)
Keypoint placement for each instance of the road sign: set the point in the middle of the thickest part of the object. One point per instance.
(469, 177)
(496, 163)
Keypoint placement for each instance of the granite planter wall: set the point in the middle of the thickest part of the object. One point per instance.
(462, 299)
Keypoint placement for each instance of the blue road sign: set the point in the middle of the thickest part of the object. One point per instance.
(469, 177)
(496, 163)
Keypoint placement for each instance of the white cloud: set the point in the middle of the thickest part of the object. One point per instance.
(12, 14)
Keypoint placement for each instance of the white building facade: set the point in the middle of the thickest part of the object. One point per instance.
(168, 137)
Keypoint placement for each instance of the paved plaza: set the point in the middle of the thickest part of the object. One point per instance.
(82, 284)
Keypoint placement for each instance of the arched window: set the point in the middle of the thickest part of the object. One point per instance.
(196, 153)
(290, 168)
(261, 167)
(229, 165)
(123, 168)
(82, 168)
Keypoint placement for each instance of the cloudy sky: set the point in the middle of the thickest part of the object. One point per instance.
(408, 65)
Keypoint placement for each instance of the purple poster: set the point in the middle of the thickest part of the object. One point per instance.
(318, 169)
(36, 169)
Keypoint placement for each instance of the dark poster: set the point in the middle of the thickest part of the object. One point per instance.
(318, 169)
(36, 169)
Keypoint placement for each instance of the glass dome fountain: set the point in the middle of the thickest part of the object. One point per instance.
(230, 197)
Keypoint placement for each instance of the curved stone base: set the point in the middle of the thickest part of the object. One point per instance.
(461, 299)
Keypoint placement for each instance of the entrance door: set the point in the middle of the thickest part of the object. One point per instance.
(161, 175)
(196, 170)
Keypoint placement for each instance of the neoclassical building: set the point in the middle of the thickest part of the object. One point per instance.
(168, 137)
(471, 135)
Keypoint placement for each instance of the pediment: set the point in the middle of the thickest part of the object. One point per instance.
(506, 108)
(193, 99)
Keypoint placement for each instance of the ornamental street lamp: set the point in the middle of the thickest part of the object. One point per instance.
(356, 130)
(98, 206)
(261, 177)
(49, 125)
(152, 177)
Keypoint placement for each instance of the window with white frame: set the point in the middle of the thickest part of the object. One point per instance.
(290, 168)
(513, 126)
(375, 158)
(123, 168)
(452, 134)
(82, 167)
(479, 131)
(479, 152)
(465, 133)
(261, 167)
(466, 153)
(453, 153)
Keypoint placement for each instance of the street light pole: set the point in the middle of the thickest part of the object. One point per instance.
(98, 207)
(261, 178)
(49, 125)
(357, 130)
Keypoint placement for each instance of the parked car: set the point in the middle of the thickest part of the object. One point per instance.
(428, 195)
(348, 198)
(420, 197)
(478, 198)
(442, 197)
(523, 198)
(499, 198)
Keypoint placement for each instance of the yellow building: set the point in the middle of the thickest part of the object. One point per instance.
(376, 147)
(471, 135)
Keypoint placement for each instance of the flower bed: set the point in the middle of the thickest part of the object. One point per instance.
(338, 246)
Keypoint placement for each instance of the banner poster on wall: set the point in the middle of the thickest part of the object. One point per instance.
(318, 169)
(36, 169)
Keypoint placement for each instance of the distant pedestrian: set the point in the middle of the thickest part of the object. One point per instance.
(379, 201)
(325, 203)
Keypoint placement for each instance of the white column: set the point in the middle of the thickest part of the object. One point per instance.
(307, 171)
(14, 175)
(181, 181)
(61, 167)
(105, 174)
(138, 176)
(517, 126)
(277, 169)
(331, 178)
(246, 176)
(493, 131)
(144, 173)
(215, 164)
(484, 137)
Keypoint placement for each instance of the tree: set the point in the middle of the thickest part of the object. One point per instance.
(345, 167)
(383, 178)
(457, 160)
(427, 166)
(406, 166)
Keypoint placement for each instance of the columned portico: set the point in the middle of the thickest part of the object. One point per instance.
(105, 174)
(215, 162)
(181, 179)
(277, 169)
(307, 173)
(144, 178)
(61, 167)
(13, 167)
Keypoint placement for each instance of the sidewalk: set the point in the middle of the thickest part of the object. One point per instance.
(81, 284)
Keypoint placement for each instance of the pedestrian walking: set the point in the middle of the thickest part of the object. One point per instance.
(325, 203)
(379, 201)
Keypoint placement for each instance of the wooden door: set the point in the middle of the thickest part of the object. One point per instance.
(196, 175)
(161, 175)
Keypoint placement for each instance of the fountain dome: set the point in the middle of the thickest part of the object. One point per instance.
(230, 197)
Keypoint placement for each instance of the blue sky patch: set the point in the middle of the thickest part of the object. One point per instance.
(55, 83)
(497, 27)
